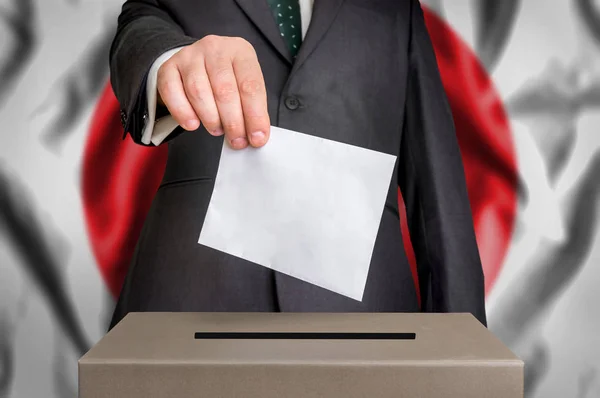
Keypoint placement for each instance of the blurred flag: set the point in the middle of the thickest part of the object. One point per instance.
(512, 173)
(19, 21)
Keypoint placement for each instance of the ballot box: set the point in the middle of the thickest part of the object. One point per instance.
(299, 355)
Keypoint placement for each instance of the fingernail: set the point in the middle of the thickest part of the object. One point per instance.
(239, 143)
(217, 132)
(258, 137)
(192, 124)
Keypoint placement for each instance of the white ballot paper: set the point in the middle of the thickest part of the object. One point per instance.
(301, 205)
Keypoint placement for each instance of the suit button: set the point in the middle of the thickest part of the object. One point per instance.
(123, 119)
(292, 103)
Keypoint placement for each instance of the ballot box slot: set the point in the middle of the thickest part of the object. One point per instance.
(303, 336)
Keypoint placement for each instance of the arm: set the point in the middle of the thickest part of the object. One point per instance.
(144, 33)
(433, 185)
(215, 81)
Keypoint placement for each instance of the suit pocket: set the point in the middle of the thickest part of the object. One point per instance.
(185, 181)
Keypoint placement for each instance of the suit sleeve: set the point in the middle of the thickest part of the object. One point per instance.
(144, 32)
(432, 181)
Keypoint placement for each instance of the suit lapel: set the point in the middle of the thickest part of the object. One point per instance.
(260, 14)
(324, 12)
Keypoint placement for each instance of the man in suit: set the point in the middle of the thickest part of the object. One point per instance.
(190, 74)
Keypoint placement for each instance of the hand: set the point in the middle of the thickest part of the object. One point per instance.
(217, 81)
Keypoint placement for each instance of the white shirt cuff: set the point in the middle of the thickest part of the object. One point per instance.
(156, 131)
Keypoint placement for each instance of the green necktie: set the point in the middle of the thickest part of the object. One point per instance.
(287, 16)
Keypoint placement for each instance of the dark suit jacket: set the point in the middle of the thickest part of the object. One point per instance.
(366, 75)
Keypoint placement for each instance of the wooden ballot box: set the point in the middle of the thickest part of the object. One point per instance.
(299, 355)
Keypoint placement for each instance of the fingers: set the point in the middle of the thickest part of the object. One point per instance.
(172, 94)
(224, 87)
(253, 96)
(199, 93)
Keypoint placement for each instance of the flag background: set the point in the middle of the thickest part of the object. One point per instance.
(543, 59)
